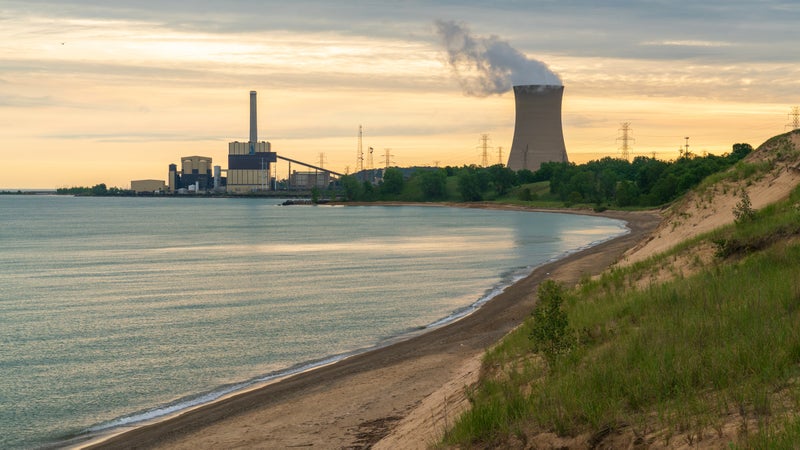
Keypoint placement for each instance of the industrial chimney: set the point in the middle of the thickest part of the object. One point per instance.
(253, 122)
(538, 136)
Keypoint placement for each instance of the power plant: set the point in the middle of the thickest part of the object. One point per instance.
(251, 169)
(538, 136)
(250, 163)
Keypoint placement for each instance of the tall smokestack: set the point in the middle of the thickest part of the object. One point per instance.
(538, 136)
(253, 120)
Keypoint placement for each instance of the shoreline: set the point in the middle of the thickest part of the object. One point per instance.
(355, 401)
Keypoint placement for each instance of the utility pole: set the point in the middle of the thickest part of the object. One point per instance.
(794, 118)
(387, 153)
(360, 155)
(626, 140)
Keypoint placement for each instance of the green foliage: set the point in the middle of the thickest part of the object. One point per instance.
(433, 184)
(469, 186)
(551, 335)
(96, 190)
(392, 181)
(680, 356)
(353, 190)
(643, 182)
(368, 191)
(502, 178)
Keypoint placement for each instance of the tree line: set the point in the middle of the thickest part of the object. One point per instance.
(642, 182)
(96, 190)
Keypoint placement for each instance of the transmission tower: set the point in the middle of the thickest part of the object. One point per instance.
(322, 160)
(500, 155)
(626, 139)
(794, 118)
(360, 155)
(387, 154)
(369, 159)
(484, 150)
(686, 148)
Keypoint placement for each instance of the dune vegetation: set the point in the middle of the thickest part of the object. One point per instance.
(698, 346)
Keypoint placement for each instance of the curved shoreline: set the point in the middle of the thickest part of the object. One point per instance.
(355, 401)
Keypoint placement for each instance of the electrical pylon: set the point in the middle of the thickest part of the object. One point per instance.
(626, 139)
(485, 150)
(387, 154)
(794, 118)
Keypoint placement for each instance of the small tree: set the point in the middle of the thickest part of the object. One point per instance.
(315, 195)
(743, 211)
(551, 334)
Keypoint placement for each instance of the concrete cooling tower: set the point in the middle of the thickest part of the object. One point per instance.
(538, 137)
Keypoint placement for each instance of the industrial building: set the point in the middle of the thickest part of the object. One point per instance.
(195, 175)
(148, 186)
(250, 163)
(250, 168)
(538, 136)
(308, 180)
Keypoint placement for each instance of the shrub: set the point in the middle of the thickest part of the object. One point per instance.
(743, 211)
(551, 334)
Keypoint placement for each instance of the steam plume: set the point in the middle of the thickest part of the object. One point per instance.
(488, 65)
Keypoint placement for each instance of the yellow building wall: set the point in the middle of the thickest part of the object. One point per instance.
(148, 185)
(243, 148)
(244, 181)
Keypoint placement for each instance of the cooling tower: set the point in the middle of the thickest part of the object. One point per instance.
(537, 131)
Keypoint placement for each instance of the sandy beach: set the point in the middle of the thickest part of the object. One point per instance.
(400, 396)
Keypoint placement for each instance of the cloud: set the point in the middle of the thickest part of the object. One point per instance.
(489, 65)
(134, 137)
(688, 43)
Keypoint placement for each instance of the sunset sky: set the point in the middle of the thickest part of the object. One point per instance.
(98, 91)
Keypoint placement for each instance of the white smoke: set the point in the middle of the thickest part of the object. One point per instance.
(489, 65)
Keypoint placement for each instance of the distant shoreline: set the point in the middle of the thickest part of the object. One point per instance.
(382, 382)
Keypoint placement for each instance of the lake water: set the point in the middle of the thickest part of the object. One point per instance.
(119, 310)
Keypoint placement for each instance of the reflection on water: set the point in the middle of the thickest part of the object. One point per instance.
(110, 307)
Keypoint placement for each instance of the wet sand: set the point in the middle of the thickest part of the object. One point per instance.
(358, 401)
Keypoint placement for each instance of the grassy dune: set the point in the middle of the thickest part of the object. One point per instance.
(696, 347)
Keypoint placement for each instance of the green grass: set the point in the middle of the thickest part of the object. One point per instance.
(679, 357)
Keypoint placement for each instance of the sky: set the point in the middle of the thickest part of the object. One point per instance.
(99, 91)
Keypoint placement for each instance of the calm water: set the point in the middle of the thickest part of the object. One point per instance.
(117, 310)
